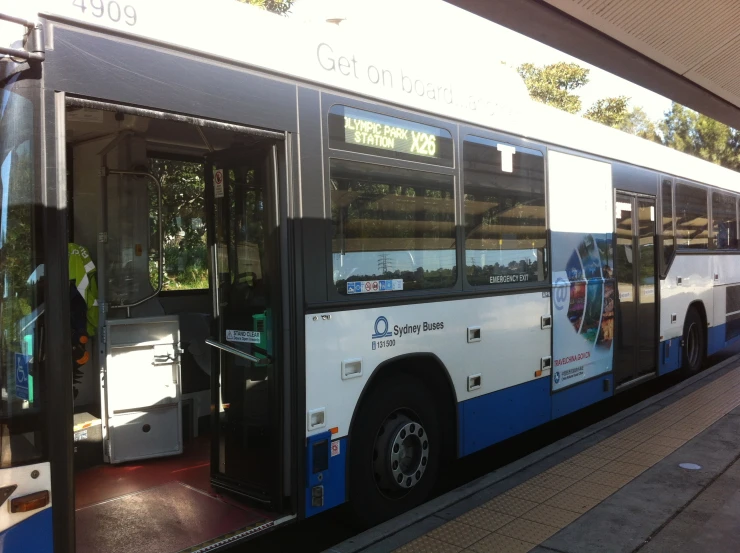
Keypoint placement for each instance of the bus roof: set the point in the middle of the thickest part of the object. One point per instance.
(428, 76)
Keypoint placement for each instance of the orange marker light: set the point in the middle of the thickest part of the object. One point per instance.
(334, 430)
(29, 502)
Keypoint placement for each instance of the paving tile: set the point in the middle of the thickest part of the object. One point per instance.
(635, 435)
(665, 440)
(552, 516)
(554, 481)
(655, 449)
(622, 443)
(608, 453)
(485, 519)
(426, 544)
(592, 490)
(572, 502)
(620, 467)
(637, 458)
(527, 530)
(679, 434)
(532, 492)
(498, 543)
(585, 460)
(458, 534)
(609, 478)
(571, 470)
(508, 505)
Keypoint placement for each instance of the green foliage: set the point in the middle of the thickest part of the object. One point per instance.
(638, 123)
(184, 225)
(280, 7)
(696, 134)
(609, 111)
(681, 128)
(554, 84)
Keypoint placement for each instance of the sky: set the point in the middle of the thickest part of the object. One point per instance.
(415, 22)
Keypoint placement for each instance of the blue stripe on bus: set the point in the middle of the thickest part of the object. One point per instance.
(33, 535)
(716, 338)
(333, 479)
(670, 356)
(581, 395)
(486, 420)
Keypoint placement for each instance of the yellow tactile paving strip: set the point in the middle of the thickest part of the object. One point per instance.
(525, 516)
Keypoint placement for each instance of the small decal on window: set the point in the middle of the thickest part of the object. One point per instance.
(370, 286)
(243, 336)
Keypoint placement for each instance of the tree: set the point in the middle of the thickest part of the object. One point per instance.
(609, 111)
(696, 134)
(638, 123)
(554, 84)
(280, 7)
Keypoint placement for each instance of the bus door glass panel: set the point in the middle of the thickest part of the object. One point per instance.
(624, 369)
(636, 286)
(22, 318)
(246, 290)
(647, 285)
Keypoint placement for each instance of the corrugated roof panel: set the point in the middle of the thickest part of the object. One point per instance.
(692, 37)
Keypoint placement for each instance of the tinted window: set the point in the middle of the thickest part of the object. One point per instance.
(363, 131)
(504, 210)
(667, 221)
(393, 229)
(692, 224)
(724, 221)
(22, 357)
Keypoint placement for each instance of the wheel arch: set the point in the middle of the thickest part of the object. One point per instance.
(426, 367)
(702, 310)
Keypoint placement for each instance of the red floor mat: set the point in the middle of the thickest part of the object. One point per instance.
(105, 482)
(165, 519)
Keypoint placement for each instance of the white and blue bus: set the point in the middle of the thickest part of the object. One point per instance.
(322, 267)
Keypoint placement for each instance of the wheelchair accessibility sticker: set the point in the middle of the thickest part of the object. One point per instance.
(21, 376)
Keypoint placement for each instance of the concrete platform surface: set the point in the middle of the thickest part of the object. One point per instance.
(661, 476)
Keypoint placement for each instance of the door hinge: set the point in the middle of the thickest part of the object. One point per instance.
(33, 40)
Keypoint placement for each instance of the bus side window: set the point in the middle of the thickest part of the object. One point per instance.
(504, 213)
(692, 221)
(724, 221)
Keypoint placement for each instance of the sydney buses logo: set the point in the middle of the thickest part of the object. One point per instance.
(382, 328)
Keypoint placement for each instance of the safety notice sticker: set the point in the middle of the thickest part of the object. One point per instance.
(335, 448)
(370, 286)
(218, 183)
(243, 336)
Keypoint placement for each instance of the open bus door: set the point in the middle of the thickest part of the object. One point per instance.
(247, 378)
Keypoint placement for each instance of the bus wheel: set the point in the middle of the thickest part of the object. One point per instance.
(694, 342)
(394, 450)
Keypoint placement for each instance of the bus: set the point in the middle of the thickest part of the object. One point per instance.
(254, 269)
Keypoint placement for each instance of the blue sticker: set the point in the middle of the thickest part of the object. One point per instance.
(21, 376)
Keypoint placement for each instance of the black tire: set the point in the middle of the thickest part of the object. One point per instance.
(694, 343)
(395, 404)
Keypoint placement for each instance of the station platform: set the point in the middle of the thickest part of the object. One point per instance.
(661, 476)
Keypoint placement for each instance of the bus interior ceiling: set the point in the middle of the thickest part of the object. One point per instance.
(154, 492)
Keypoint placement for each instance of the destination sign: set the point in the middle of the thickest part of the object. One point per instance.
(389, 137)
(375, 133)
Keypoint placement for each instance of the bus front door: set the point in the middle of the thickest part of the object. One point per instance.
(242, 199)
(635, 355)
